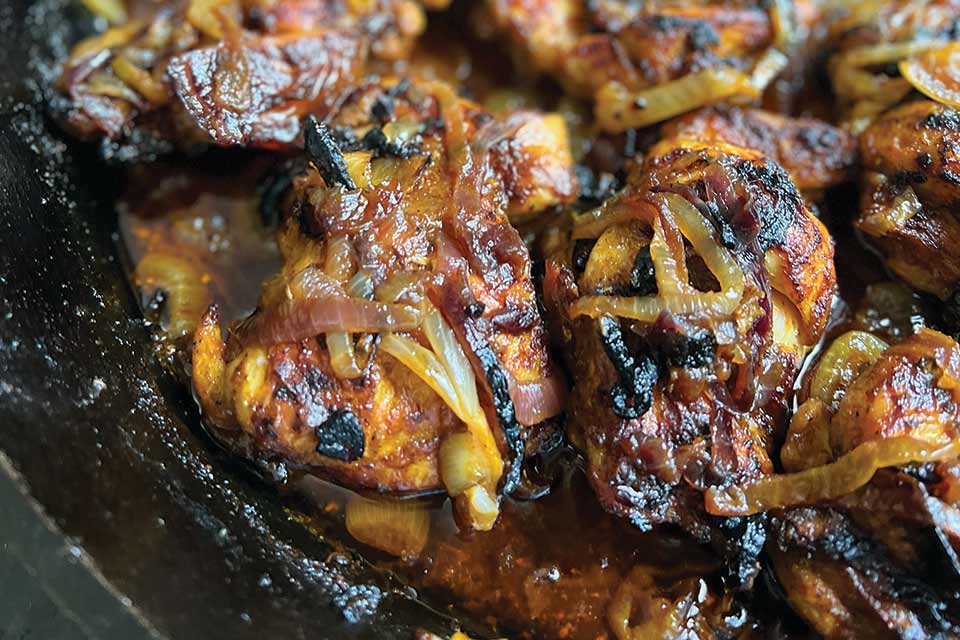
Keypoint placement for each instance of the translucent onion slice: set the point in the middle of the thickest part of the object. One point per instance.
(470, 463)
(841, 363)
(157, 93)
(638, 610)
(338, 265)
(398, 527)
(298, 319)
(109, 39)
(187, 297)
(618, 108)
(936, 73)
(828, 482)
(893, 217)
(425, 365)
(113, 11)
(717, 259)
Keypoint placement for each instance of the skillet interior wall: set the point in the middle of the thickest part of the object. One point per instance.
(101, 438)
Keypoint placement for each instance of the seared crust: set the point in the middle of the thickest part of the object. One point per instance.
(911, 190)
(815, 154)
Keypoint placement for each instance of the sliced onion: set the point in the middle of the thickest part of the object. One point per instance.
(717, 259)
(841, 363)
(202, 14)
(426, 366)
(187, 296)
(619, 109)
(303, 318)
(538, 400)
(828, 482)
(140, 79)
(113, 11)
(398, 527)
(447, 348)
(338, 265)
(936, 73)
(892, 217)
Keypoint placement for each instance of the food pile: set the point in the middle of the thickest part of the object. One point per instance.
(710, 248)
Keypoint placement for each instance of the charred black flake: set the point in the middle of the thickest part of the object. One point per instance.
(325, 155)
(341, 437)
(643, 277)
(274, 188)
(632, 396)
(582, 249)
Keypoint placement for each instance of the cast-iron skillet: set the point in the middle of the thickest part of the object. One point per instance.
(114, 508)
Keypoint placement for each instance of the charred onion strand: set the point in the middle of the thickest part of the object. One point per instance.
(828, 482)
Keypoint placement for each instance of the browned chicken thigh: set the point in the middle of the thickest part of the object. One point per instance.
(401, 348)
(687, 303)
(227, 72)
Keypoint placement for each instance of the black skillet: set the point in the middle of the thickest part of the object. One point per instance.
(118, 519)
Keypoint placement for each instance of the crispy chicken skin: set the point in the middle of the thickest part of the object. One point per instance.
(911, 187)
(684, 358)
(882, 558)
(814, 153)
(416, 210)
(613, 51)
(228, 73)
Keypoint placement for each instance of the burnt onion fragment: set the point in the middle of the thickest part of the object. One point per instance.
(325, 154)
(632, 396)
(341, 436)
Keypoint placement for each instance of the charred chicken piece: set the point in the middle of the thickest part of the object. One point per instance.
(400, 349)
(860, 548)
(226, 72)
(911, 187)
(642, 63)
(883, 51)
(688, 301)
(814, 153)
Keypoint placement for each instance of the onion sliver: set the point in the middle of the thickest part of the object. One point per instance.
(847, 474)
(398, 527)
(618, 108)
(538, 400)
(303, 318)
(936, 73)
(718, 260)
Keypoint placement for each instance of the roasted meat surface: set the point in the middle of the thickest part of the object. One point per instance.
(815, 154)
(227, 72)
(400, 349)
(878, 553)
(911, 156)
(644, 62)
(687, 302)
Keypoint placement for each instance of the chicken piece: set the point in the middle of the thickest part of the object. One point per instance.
(645, 62)
(845, 584)
(226, 72)
(400, 349)
(814, 153)
(878, 553)
(872, 40)
(688, 301)
(912, 184)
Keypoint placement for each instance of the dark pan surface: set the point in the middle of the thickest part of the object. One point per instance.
(106, 444)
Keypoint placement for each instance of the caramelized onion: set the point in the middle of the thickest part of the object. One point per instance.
(397, 527)
(936, 73)
(113, 11)
(841, 363)
(676, 300)
(338, 265)
(302, 318)
(637, 610)
(892, 217)
(187, 297)
(538, 400)
(828, 482)
(618, 108)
